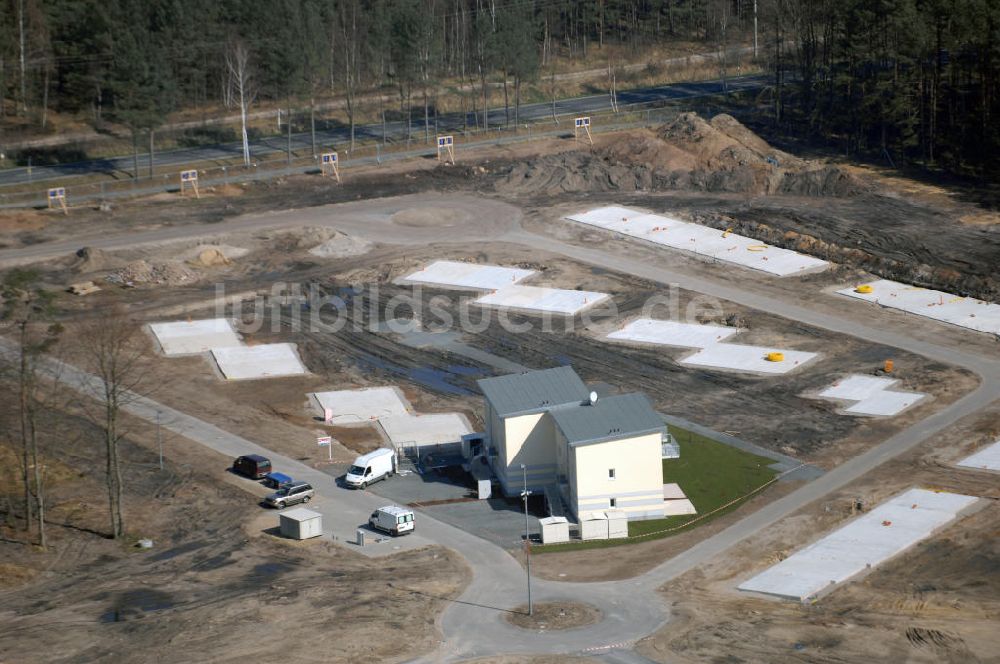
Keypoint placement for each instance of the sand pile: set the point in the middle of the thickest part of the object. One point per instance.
(211, 255)
(341, 246)
(169, 273)
(688, 153)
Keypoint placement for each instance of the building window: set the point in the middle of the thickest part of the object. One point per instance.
(611, 473)
(612, 502)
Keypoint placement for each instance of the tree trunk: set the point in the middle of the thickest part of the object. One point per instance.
(135, 154)
(39, 493)
(246, 139)
(25, 388)
(114, 471)
(517, 102)
(24, 86)
(312, 125)
(506, 100)
(45, 99)
(288, 140)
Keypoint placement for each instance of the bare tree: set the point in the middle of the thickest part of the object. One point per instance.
(27, 307)
(241, 86)
(113, 351)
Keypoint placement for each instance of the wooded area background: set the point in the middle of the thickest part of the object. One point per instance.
(913, 80)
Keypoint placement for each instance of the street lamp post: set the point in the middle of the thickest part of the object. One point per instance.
(527, 542)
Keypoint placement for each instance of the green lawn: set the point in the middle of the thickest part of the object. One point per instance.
(711, 474)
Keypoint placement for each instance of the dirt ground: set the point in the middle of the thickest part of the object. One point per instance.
(766, 410)
(547, 616)
(218, 584)
(937, 602)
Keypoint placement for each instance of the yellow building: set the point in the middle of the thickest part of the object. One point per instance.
(593, 453)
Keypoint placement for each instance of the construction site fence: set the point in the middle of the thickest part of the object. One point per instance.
(281, 164)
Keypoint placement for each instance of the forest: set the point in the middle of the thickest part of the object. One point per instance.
(910, 81)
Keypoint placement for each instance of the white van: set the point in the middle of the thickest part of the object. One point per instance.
(371, 467)
(392, 519)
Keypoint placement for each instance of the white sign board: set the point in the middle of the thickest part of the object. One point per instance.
(324, 441)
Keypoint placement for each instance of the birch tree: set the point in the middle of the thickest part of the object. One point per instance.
(241, 87)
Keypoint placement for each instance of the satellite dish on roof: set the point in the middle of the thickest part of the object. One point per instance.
(593, 398)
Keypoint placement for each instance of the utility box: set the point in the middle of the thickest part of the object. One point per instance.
(593, 526)
(554, 529)
(301, 524)
(479, 468)
(617, 523)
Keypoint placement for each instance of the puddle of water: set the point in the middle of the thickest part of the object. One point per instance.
(563, 360)
(144, 599)
(270, 569)
(177, 551)
(434, 379)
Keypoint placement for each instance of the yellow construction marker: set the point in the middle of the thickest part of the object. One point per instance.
(757, 247)
(727, 231)
(864, 288)
(775, 357)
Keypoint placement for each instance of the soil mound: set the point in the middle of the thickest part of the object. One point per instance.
(574, 172)
(88, 259)
(688, 153)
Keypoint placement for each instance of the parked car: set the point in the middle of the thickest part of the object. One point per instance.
(290, 494)
(392, 519)
(371, 467)
(275, 480)
(253, 466)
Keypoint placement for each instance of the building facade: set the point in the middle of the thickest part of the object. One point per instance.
(594, 453)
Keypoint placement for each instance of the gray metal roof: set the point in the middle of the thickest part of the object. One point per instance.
(534, 391)
(621, 416)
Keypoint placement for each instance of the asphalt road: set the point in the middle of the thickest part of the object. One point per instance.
(475, 625)
(396, 131)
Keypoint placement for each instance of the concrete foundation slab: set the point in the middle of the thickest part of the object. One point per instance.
(429, 429)
(678, 507)
(671, 333)
(871, 396)
(470, 276)
(543, 300)
(263, 361)
(361, 406)
(197, 336)
(702, 240)
(749, 359)
(861, 545)
(987, 458)
(965, 312)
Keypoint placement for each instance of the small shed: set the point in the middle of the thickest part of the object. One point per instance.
(554, 529)
(617, 523)
(593, 526)
(301, 523)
